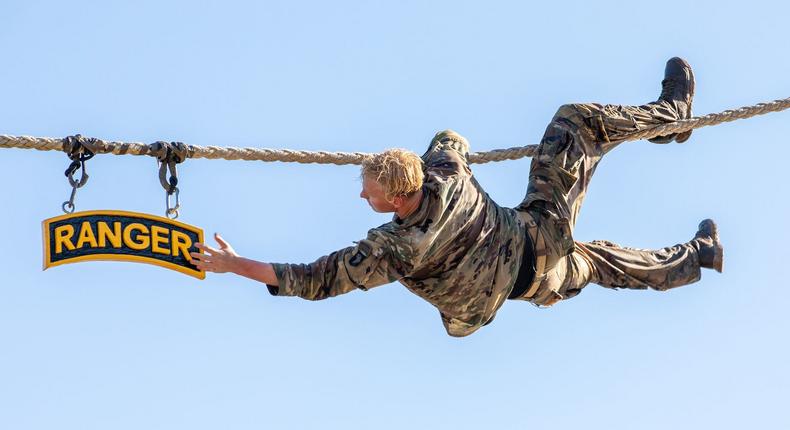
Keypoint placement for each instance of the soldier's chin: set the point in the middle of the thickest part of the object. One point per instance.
(380, 210)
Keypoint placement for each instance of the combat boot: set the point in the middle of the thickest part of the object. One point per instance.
(711, 252)
(677, 89)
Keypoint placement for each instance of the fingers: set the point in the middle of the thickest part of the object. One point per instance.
(206, 248)
(221, 241)
(211, 259)
(202, 261)
(200, 257)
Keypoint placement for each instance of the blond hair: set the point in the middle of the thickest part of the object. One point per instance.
(398, 171)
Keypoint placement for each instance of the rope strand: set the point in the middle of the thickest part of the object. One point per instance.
(343, 158)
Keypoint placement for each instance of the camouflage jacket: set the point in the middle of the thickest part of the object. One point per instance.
(459, 250)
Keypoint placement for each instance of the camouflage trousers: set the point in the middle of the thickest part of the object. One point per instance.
(575, 141)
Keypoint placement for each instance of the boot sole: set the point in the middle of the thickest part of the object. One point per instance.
(718, 260)
(718, 257)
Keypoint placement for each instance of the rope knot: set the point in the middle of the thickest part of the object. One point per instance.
(79, 149)
(167, 152)
(168, 155)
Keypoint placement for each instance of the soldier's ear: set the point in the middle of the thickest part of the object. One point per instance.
(397, 201)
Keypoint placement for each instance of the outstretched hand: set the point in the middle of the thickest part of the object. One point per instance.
(220, 260)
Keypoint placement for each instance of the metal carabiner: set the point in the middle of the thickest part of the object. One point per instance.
(168, 156)
(172, 211)
(68, 206)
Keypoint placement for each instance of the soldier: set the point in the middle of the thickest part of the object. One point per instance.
(452, 245)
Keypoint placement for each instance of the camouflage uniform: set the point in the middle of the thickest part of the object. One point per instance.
(571, 148)
(459, 250)
(462, 252)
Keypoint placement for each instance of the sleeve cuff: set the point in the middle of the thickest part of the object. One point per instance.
(279, 271)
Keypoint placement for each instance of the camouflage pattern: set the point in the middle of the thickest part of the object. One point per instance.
(459, 250)
(574, 142)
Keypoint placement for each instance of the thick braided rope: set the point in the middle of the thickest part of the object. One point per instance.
(340, 158)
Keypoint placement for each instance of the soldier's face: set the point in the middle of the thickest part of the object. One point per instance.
(373, 192)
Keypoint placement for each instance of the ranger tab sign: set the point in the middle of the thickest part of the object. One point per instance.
(121, 236)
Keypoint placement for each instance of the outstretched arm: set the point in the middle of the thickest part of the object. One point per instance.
(366, 265)
(225, 259)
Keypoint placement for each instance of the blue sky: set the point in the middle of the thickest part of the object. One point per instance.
(126, 346)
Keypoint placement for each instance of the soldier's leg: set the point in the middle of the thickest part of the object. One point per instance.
(561, 170)
(580, 134)
(613, 266)
(573, 145)
(565, 161)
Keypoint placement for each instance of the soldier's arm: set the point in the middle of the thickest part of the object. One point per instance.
(447, 153)
(369, 264)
